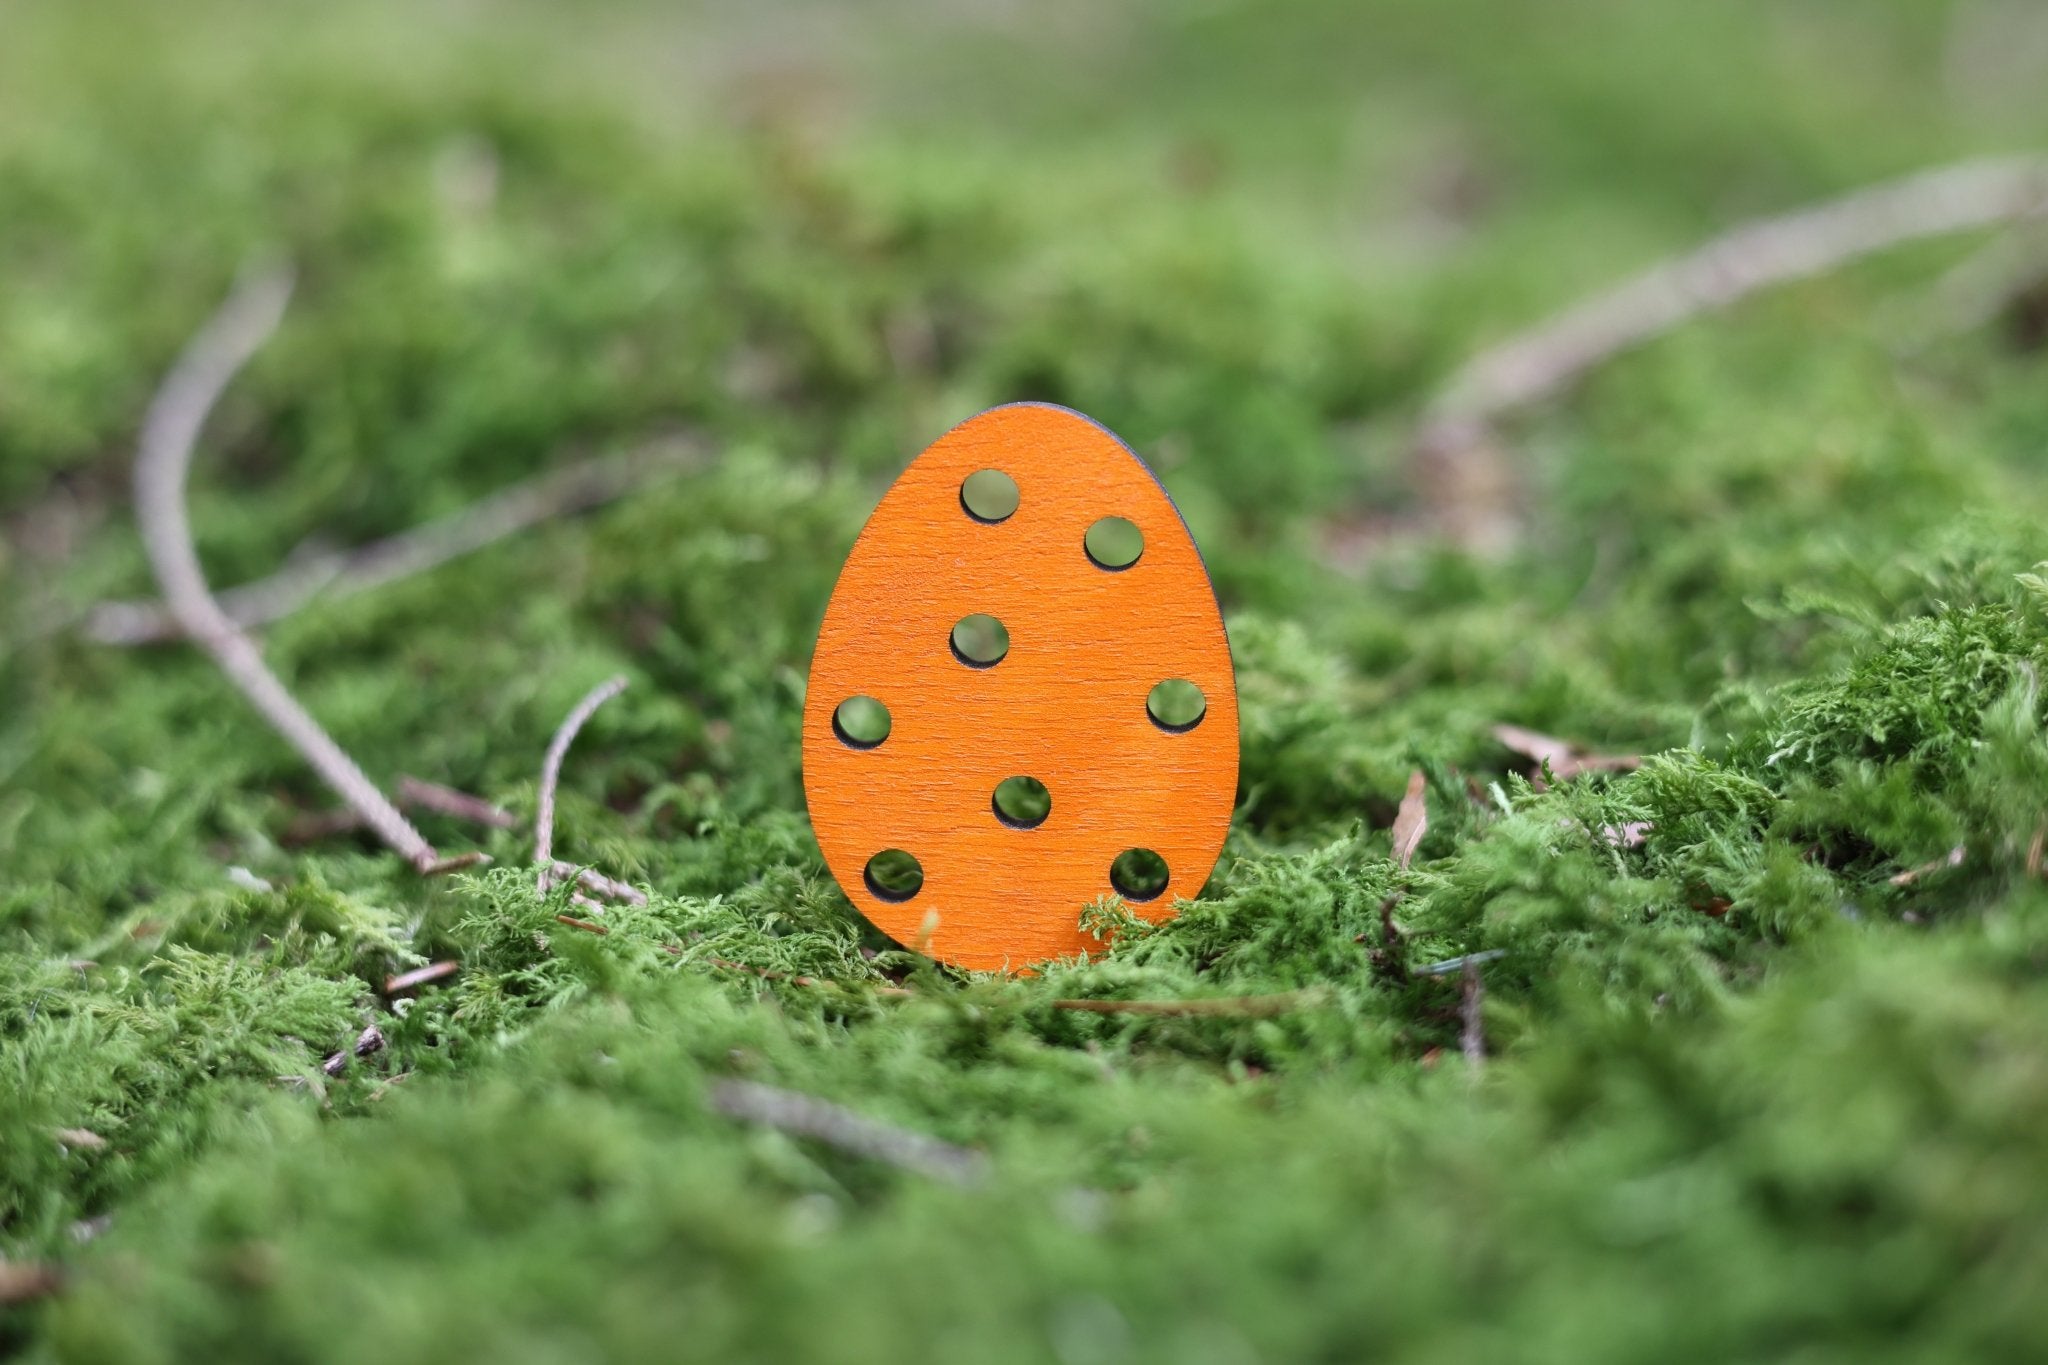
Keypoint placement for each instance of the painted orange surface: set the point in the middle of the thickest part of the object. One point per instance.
(1066, 704)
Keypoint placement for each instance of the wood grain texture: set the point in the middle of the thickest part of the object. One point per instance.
(1066, 705)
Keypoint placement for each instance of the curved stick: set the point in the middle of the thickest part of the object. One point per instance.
(163, 459)
(1548, 357)
(551, 774)
(557, 493)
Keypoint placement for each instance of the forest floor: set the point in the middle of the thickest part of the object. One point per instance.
(1705, 1020)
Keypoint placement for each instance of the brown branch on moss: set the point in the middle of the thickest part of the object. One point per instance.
(558, 493)
(163, 460)
(1952, 858)
(1547, 358)
(593, 880)
(551, 776)
(1459, 468)
(419, 976)
(416, 793)
(411, 794)
(806, 1116)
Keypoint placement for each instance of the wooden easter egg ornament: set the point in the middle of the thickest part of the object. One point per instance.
(1022, 698)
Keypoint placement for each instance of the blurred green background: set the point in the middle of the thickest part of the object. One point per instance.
(1758, 1086)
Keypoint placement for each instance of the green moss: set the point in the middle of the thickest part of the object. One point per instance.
(1762, 1014)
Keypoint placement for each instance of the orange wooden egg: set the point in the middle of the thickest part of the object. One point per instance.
(1029, 767)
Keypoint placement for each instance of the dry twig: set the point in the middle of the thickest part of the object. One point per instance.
(1456, 456)
(800, 1115)
(1952, 858)
(1472, 1000)
(412, 794)
(1564, 759)
(419, 976)
(163, 459)
(551, 776)
(593, 880)
(1549, 357)
(417, 793)
(558, 493)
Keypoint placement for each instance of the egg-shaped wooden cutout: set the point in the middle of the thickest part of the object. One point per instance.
(1022, 697)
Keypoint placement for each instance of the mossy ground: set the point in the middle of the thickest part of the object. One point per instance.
(1747, 1098)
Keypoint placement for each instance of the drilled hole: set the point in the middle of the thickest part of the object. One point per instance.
(1114, 543)
(893, 875)
(1138, 874)
(860, 722)
(988, 495)
(1022, 802)
(980, 641)
(1176, 705)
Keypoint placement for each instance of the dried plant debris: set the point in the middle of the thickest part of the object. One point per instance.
(1558, 758)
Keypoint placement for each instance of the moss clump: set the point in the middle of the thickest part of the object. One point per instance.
(1761, 1015)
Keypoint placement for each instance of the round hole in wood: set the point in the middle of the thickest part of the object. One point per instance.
(860, 722)
(980, 641)
(893, 875)
(1021, 802)
(1113, 543)
(1176, 706)
(989, 496)
(1138, 874)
